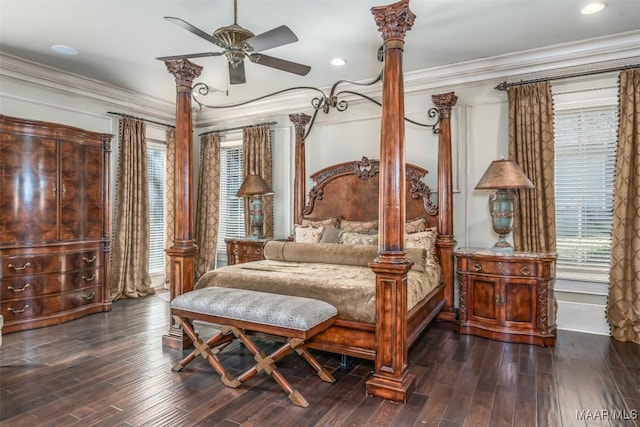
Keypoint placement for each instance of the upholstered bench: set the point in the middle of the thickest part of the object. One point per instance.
(240, 311)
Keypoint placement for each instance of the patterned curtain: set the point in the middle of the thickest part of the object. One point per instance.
(207, 211)
(169, 199)
(531, 146)
(130, 258)
(623, 306)
(256, 158)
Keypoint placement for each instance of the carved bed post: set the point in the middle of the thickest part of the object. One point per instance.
(182, 253)
(299, 187)
(446, 242)
(391, 379)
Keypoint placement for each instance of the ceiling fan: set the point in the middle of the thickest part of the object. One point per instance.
(239, 43)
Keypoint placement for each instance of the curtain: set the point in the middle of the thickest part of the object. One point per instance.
(169, 199)
(130, 257)
(531, 146)
(256, 158)
(207, 211)
(623, 306)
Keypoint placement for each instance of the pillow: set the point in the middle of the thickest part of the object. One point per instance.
(330, 235)
(415, 225)
(333, 221)
(308, 234)
(347, 238)
(359, 226)
(424, 239)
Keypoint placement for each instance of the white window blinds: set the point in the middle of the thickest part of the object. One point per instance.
(231, 221)
(155, 164)
(585, 147)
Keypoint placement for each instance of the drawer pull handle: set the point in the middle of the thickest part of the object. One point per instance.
(13, 310)
(24, 267)
(88, 279)
(477, 267)
(89, 260)
(88, 297)
(525, 270)
(22, 289)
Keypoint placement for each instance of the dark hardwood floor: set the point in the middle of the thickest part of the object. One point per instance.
(110, 369)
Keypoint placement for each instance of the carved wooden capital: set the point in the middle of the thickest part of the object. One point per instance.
(299, 121)
(444, 102)
(394, 20)
(183, 70)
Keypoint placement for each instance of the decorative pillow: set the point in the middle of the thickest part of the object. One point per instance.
(333, 221)
(347, 238)
(358, 226)
(308, 234)
(330, 235)
(424, 239)
(415, 225)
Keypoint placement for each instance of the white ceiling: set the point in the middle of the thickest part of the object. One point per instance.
(119, 39)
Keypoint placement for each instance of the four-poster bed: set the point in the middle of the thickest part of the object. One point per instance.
(394, 197)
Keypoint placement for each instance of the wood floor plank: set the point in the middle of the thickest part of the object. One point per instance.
(525, 400)
(502, 413)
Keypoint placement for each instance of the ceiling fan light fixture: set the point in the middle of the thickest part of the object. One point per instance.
(338, 62)
(592, 8)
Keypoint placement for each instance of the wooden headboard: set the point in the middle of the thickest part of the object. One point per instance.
(350, 190)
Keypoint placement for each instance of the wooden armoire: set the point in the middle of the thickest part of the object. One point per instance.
(54, 223)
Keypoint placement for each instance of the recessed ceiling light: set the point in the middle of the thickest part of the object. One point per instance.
(592, 8)
(338, 62)
(64, 50)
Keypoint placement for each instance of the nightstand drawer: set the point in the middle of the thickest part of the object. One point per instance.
(524, 269)
(240, 250)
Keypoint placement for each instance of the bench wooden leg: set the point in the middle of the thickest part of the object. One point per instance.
(204, 349)
(298, 346)
(267, 364)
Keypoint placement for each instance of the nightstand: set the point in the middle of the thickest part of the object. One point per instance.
(245, 249)
(507, 296)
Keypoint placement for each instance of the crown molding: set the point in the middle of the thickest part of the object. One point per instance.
(64, 82)
(552, 61)
(549, 62)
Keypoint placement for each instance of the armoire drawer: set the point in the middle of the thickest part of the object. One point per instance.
(82, 260)
(71, 300)
(29, 264)
(29, 286)
(81, 279)
(28, 308)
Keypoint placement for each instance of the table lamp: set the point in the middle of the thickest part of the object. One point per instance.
(255, 187)
(504, 176)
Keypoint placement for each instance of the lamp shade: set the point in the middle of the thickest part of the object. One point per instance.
(503, 174)
(254, 185)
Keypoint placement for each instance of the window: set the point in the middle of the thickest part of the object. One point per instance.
(585, 148)
(231, 220)
(155, 164)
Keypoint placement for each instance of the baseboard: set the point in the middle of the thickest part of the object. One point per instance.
(582, 317)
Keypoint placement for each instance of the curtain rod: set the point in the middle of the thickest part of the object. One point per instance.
(237, 128)
(505, 85)
(139, 118)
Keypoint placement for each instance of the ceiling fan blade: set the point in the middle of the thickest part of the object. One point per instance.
(280, 64)
(198, 32)
(273, 38)
(236, 74)
(189, 55)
